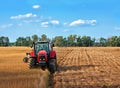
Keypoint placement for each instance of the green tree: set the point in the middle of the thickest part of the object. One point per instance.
(21, 41)
(86, 41)
(79, 41)
(113, 41)
(1, 42)
(28, 41)
(118, 40)
(93, 42)
(4, 41)
(72, 40)
(65, 42)
(103, 41)
(34, 38)
(58, 41)
(44, 37)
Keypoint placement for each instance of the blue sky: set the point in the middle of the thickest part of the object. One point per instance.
(59, 17)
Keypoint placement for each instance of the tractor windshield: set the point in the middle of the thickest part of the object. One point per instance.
(42, 46)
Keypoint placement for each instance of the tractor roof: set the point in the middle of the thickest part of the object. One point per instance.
(41, 42)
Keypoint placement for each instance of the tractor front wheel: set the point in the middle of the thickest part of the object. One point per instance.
(25, 59)
(32, 63)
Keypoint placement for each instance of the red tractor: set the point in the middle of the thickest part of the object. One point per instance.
(43, 56)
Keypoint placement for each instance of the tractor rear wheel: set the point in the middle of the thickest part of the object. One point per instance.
(32, 63)
(52, 65)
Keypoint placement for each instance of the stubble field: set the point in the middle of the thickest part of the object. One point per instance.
(79, 67)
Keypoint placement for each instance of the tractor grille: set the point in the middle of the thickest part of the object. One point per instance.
(42, 57)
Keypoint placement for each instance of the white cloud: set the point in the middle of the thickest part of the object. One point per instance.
(66, 30)
(36, 6)
(117, 28)
(83, 22)
(77, 22)
(54, 22)
(44, 24)
(20, 24)
(91, 22)
(65, 23)
(31, 21)
(6, 26)
(28, 15)
(50, 23)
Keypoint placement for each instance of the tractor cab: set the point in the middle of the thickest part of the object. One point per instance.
(39, 46)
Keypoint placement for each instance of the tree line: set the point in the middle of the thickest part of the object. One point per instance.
(71, 40)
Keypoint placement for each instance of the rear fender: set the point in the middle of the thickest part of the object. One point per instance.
(32, 54)
(53, 54)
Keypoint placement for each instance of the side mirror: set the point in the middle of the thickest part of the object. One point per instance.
(53, 45)
(32, 44)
